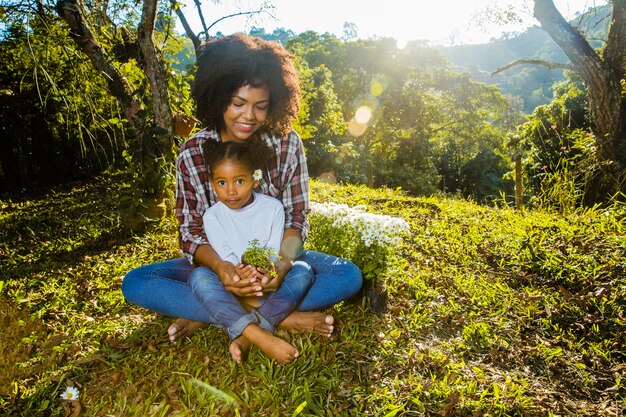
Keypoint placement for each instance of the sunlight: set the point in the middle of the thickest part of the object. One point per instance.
(363, 115)
(355, 128)
(442, 22)
(401, 43)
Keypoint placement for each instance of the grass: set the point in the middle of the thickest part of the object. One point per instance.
(492, 312)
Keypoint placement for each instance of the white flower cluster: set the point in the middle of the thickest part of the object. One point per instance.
(373, 229)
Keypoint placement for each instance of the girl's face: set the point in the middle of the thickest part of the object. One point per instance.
(246, 113)
(233, 183)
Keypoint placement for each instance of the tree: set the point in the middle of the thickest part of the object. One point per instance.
(602, 72)
(54, 109)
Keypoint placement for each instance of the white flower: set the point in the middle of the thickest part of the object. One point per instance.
(372, 228)
(70, 394)
(258, 174)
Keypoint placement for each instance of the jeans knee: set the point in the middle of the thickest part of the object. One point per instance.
(202, 278)
(130, 284)
(356, 278)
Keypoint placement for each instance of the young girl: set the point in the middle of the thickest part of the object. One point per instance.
(241, 216)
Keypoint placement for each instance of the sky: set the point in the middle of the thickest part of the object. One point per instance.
(440, 22)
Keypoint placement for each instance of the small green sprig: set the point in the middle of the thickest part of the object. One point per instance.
(260, 257)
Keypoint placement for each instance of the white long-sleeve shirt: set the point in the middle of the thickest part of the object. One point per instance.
(230, 231)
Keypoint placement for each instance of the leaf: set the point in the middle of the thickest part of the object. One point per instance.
(299, 409)
(227, 398)
(394, 410)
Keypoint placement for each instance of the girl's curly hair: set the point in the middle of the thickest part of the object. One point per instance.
(228, 63)
(253, 153)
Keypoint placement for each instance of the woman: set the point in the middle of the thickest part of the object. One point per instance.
(243, 87)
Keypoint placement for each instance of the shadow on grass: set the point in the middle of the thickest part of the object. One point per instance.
(59, 227)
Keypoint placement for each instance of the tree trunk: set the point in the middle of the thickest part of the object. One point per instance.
(154, 67)
(602, 74)
(519, 201)
(73, 13)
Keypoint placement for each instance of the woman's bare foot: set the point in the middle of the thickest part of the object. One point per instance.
(183, 327)
(239, 349)
(274, 347)
(309, 321)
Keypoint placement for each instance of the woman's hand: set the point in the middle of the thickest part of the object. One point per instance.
(271, 283)
(234, 283)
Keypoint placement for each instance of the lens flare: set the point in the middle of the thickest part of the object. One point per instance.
(363, 115)
(377, 88)
(401, 43)
(355, 128)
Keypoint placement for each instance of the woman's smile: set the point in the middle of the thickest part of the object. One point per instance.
(246, 113)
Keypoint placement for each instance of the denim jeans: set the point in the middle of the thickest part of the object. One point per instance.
(165, 287)
(225, 310)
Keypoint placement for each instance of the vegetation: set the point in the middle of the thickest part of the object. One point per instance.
(492, 311)
(258, 256)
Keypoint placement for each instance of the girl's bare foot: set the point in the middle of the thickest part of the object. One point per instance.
(274, 347)
(309, 321)
(183, 327)
(239, 349)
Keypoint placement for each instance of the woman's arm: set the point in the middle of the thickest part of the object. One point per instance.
(294, 184)
(191, 199)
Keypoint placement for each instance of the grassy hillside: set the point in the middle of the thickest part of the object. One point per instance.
(491, 312)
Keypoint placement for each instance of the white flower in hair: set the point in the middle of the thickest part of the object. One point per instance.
(258, 174)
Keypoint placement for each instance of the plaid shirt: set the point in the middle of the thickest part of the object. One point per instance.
(288, 181)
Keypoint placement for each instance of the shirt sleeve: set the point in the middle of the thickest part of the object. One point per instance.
(295, 196)
(216, 235)
(189, 203)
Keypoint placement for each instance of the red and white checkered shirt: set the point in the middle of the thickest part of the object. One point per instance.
(285, 177)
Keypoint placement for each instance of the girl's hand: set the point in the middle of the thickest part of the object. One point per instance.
(247, 272)
(233, 283)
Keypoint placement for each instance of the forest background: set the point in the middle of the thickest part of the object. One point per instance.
(429, 120)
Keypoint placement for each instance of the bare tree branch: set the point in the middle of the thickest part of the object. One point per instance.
(206, 31)
(73, 13)
(190, 34)
(547, 64)
(204, 28)
(614, 52)
(575, 46)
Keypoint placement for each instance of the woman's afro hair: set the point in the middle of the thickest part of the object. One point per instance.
(228, 63)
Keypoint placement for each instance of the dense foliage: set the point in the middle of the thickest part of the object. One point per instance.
(55, 111)
(412, 122)
(491, 312)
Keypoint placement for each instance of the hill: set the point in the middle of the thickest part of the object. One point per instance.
(491, 312)
(531, 83)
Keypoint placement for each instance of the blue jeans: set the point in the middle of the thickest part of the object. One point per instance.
(165, 287)
(226, 311)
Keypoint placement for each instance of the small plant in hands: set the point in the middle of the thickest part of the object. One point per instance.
(260, 257)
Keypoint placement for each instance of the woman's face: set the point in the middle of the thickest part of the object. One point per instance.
(246, 113)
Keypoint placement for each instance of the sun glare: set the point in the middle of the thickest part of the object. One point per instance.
(401, 43)
(363, 115)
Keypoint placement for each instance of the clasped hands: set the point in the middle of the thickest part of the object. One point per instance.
(247, 280)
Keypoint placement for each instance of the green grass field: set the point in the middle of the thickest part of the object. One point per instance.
(491, 312)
